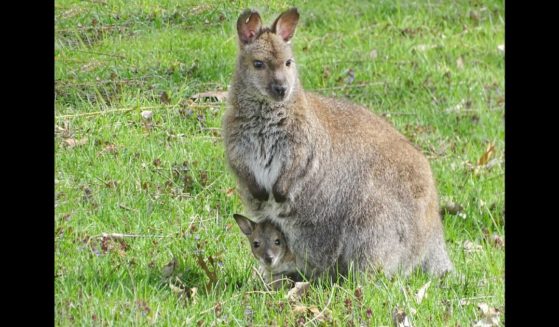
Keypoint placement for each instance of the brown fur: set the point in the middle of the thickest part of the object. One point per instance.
(269, 246)
(344, 186)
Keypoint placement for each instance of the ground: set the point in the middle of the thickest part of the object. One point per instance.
(435, 69)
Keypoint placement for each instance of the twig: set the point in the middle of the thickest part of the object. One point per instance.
(211, 274)
(261, 292)
(206, 188)
(348, 86)
(475, 298)
(122, 206)
(102, 112)
(213, 307)
(101, 53)
(90, 27)
(261, 279)
(196, 105)
(119, 236)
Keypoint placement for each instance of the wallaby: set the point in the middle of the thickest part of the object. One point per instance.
(344, 186)
(269, 246)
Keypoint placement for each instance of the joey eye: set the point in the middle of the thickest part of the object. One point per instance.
(256, 244)
(258, 64)
(288, 62)
(277, 242)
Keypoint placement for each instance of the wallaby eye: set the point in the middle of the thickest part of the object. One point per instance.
(288, 62)
(256, 244)
(258, 64)
(277, 242)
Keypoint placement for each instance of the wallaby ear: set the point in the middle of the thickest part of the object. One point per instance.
(285, 24)
(248, 24)
(246, 225)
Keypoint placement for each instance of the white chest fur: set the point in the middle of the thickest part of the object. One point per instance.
(265, 172)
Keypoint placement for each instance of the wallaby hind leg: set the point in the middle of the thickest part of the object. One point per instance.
(436, 260)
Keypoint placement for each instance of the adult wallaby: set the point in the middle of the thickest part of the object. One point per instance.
(343, 185)
(269, 246)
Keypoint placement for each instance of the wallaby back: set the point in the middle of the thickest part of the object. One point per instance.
(344, 186)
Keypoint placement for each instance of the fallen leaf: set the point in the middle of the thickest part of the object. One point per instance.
(110, 148)
(314, 309)
(424, 47)
(350, 76)
(169, 268)
(497, 241)
(64, 131)
(72, 143)
(460, 63)
(182, 291)
(176, 289)
(326, 72)
(218, 310)
(110, 243)
(400, 318)
(484, 159)
(203, 178)
(493, 162)
(464, 302)
(490, 316)
(474, 15)
(91, 66)
(212, 96)
(192, 294)
(143, 306)
(422, 292)
(185, 112)
(348, 305)
(230, 192)
(359, 295)
(299, 309)
(321, 315)
(147, 114)
(458, 107)
(451, 208)
(164, 98)
(111, 184)
(369, 313)
(408, 31)
(471, 247)
(296, 293)
(87, 194)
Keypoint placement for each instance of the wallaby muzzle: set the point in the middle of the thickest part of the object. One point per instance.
(278, 91)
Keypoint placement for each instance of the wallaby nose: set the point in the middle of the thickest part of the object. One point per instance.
(279, 90)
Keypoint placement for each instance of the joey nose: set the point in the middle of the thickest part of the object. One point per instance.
(268, 259)
(279, 90)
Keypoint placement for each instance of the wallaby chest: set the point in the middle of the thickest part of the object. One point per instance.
(263, 150)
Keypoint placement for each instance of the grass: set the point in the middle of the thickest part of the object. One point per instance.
(432, 68)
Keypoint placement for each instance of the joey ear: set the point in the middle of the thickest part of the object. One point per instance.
(285, 24)
(248, 24)
(246, 225)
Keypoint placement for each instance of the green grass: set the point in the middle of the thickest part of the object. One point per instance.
(438, 76)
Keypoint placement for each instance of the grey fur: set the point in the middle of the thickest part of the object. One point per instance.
(273, 254)
(342, 184)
